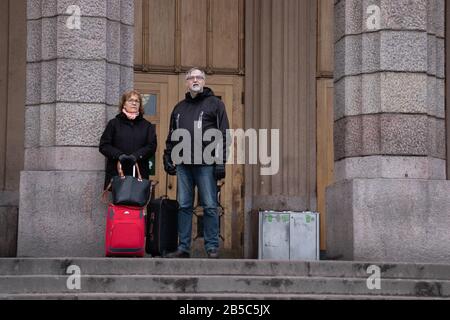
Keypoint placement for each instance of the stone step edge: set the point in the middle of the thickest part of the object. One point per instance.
(390, 287)
(212, 296)
(338, 270)
(215, 276)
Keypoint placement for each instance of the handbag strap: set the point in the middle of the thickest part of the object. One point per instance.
(104, 197)
(121, 174)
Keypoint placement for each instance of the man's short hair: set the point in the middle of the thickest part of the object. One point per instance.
(188, 73)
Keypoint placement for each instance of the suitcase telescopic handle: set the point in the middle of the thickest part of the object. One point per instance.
(167, 185)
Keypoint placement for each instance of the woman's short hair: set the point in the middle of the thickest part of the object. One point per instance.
(127, 95)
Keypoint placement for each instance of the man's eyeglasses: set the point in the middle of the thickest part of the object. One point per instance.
(131, 101)
(195, 78)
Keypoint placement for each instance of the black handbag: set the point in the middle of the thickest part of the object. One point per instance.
(130, 191)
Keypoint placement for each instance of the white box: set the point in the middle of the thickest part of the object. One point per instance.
(289, 235)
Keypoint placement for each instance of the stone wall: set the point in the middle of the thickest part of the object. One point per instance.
(390, 199)
(74, 81)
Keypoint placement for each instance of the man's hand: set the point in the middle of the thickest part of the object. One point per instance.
(169, 167)
(219, 171)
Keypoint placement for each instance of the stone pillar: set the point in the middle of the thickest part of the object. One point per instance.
(74, 81)
(390, 201)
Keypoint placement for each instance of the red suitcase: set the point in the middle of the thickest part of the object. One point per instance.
(125, 231)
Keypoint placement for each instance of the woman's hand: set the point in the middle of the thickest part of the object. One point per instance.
(127, 159)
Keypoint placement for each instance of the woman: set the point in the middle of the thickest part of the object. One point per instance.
(128, 138)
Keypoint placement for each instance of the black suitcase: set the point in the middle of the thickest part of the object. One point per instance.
(162, 227)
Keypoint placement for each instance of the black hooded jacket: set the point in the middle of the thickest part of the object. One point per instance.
(209, 112)
(131, 137)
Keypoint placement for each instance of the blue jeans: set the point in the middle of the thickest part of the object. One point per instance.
(201, 176)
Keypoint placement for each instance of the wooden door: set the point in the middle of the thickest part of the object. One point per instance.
(13, 36)
(161, 93)
(173, 35)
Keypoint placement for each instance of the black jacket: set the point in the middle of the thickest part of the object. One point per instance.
(124, 136)
(208, 110)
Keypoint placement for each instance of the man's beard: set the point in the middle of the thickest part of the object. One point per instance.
(196, 89)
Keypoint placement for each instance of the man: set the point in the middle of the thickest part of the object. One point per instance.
(199, 111)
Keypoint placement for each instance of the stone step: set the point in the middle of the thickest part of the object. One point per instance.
(151, 266)
(210, 284)
(215, 296)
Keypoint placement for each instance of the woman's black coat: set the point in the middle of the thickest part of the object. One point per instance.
(131, 137)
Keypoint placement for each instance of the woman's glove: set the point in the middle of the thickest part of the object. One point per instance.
(126, 160)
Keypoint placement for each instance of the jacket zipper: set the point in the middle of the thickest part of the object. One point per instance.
(200, 120)
(178, 121)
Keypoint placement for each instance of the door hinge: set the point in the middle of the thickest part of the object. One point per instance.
(243, 98)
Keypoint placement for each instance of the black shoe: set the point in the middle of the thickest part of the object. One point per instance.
(213, 254)
(177, 255)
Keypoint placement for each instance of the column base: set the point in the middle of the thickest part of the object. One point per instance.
(401, 220)
(60, 214)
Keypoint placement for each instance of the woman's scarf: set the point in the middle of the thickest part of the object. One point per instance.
(130, 116)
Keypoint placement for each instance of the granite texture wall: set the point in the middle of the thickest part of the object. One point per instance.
(79, 62)
(389, 202)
